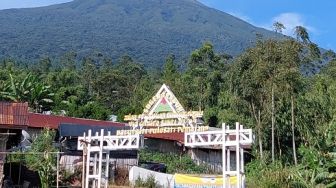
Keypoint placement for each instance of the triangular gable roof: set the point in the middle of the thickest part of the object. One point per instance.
(166, 95)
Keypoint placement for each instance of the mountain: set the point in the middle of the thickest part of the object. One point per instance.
(147, 30)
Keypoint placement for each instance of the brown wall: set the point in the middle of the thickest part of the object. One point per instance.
(164, 146)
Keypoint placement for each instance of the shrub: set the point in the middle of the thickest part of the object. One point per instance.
(175, 163)
(150, 182)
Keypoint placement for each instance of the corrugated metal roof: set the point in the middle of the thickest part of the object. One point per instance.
(179, 137)
(15, 114)
(52, 121)
(70, 129)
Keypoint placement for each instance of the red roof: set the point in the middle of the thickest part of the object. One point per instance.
(179, 137)
(52, 121)
(13, 114)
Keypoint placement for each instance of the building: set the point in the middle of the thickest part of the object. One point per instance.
(13, 119)
(69, 129)
(17, 126)
(164, 110)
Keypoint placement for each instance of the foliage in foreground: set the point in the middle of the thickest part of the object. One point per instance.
(150, 182)
(175, 163)
(317, 167)
(40, 157)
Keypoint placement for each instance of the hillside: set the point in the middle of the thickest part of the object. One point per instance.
(147, 30)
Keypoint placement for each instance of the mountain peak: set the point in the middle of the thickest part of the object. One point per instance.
(147, 30)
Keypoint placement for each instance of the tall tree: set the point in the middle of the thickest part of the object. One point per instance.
(301, 34)
(278, 27)
(291, 78)
(170, 72)
(202, 62)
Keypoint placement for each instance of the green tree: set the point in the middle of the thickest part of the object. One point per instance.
(170, 72)
(278, 27)
(44, 162)
(202, 63)
(68, 61)
(88, 73)
(38, 95)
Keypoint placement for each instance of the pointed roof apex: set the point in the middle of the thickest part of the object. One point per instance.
(166, 94)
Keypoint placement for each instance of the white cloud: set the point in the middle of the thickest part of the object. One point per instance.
(290, 20)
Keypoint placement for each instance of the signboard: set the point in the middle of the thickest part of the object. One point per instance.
(190, 181)
(164, 110)
(162, 130)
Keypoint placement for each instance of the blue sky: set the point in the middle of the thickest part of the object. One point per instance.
(317, 16)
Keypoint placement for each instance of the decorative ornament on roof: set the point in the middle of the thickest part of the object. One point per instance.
(164, 97)
(164, 110)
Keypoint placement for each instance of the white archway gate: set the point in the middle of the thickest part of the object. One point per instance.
(96, 149)
(229, 139)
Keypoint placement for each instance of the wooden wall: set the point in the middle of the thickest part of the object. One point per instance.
(164, 146)
(211, 158)
(3, 141)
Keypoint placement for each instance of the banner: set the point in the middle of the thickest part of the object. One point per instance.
(190, 181)
(162, 130)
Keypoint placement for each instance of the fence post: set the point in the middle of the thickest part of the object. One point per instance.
(238, 155)
(101, 144)
(57, 179)
(224, 154)
(84, 160)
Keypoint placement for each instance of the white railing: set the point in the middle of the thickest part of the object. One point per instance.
(208, 138)
(228, 139)
(96, 151)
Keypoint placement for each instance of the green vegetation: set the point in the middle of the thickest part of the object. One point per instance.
(175, 163)
(40, 157)
(146, 30)
(150, 182)
(278, 88)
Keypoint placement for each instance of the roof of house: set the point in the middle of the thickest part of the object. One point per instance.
(179, 137)
(13, 115)
(70, 129)
(52, 121)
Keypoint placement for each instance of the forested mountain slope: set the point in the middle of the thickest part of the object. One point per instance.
(147, 30)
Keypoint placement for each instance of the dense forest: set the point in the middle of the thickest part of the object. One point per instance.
(279, 88)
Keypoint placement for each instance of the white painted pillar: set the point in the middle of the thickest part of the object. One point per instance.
(224, 154)
(101, 144)
(95, 170)
(228, 160)
(88, 160)
(242, 170)
(238, 155)
(107, 165)
(84, 159)
(57, 175)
